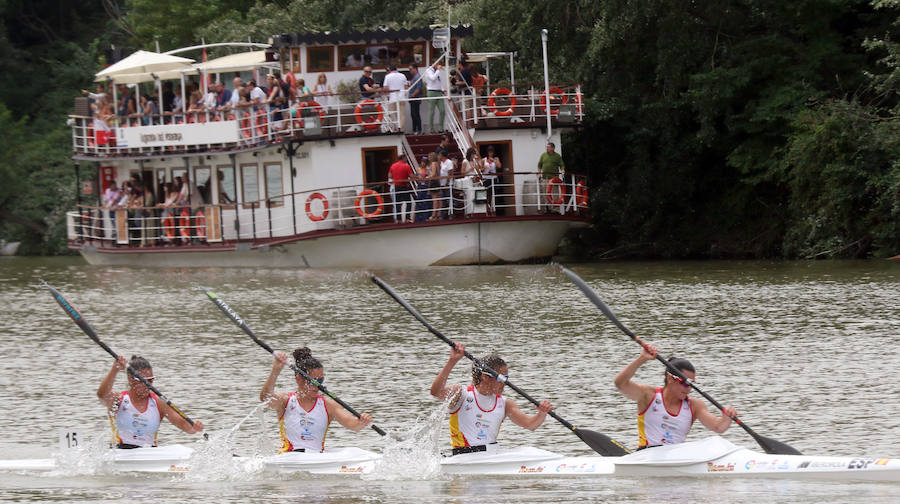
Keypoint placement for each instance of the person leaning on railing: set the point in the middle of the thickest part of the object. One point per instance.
(550, 165)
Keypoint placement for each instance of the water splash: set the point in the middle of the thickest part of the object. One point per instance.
(413, 454)
(214, 459)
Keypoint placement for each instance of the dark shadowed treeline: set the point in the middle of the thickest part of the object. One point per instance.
(723, 128)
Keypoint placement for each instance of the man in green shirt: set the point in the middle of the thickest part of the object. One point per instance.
(550, 164)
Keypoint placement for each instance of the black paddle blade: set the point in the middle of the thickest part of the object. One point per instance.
(601, 443)
(774, 447)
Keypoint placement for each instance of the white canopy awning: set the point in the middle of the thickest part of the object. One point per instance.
(237, 62)
(144, 62)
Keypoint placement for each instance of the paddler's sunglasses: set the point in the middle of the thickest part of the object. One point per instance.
(148, 378)
(502, 378)
(316, 381)
(681, 381)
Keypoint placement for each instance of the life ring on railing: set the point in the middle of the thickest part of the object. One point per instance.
(375, 120)
(184, 222)
(319, 196)
(298, 123)
(562, 101)
(246, 128)
(262, 123)
(289, 78)
(168, 224)
(562, 191)
(582, 199)
(200, 224)
(492, 102)
(359, 204)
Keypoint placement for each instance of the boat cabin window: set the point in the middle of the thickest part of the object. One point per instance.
(227, 193)
(249, 184)
(358, 56)
(295, 60)
(320, 59)
(274, 186)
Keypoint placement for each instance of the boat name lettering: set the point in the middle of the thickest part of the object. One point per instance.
(710, 467)
(823, 464)
(160, 137)
(223, 305)
(345, 469)
(537, 469)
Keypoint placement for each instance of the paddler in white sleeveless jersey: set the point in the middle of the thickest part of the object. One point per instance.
(304, 415)
(666, 414)
(477, 410)
(135, 414)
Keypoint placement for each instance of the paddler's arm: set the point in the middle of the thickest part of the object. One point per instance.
(344, 417)
(275, 401)
(643, 394)
(717, 424)
(530, 422)
(177, 420)
(439, 387)
(105, 391)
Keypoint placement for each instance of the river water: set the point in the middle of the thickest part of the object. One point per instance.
(805, 351)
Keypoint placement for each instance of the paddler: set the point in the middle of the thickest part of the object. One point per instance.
(665, 415)
(304, 415)
(477, 410)
(135, 414)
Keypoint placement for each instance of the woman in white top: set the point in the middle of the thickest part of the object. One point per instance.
(135, 414)
(323, 91)
(492, 166)
(304, 415)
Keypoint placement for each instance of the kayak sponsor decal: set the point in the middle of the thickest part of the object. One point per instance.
(860, 463)
(175, 468)
(710, 467)
(821, 464)
(345, 469)
(580, 468)
(529, 470)
(767, 465)
(882, 461)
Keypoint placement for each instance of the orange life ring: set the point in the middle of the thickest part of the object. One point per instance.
(581, 195)
(319, 196)
(562, 101)
(298, 123)
(492, 102)
(200, 224)
(359, 204)
(562, 191)
(246, 128)
(262, 123)
(168, 224)
(184, 222)
(375, 120)
(289, 78)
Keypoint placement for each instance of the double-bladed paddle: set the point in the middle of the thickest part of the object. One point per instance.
(769, 445)
(239, 321)
(83, 324)
(600, 443)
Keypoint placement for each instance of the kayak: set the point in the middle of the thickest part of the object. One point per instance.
(711, 457)
(716, 456)
(157, 459)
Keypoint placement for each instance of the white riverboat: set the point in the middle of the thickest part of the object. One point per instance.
(308, 186)
(713, 457)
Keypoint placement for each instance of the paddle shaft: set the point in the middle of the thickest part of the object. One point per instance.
(83, 324)
(387, 288)
(239, 321)
(589, 292)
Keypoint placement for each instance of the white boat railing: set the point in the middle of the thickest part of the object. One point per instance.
(335, 208)
(249, 127)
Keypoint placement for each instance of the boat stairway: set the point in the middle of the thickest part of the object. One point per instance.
(423, 145)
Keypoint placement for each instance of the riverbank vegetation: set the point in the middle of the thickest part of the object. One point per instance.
(725, 128)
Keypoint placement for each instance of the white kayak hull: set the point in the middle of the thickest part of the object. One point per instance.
(716, 457)
(712, 457)
(160, 459)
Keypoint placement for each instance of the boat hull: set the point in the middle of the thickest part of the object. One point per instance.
(453, 243)
(709, 458)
